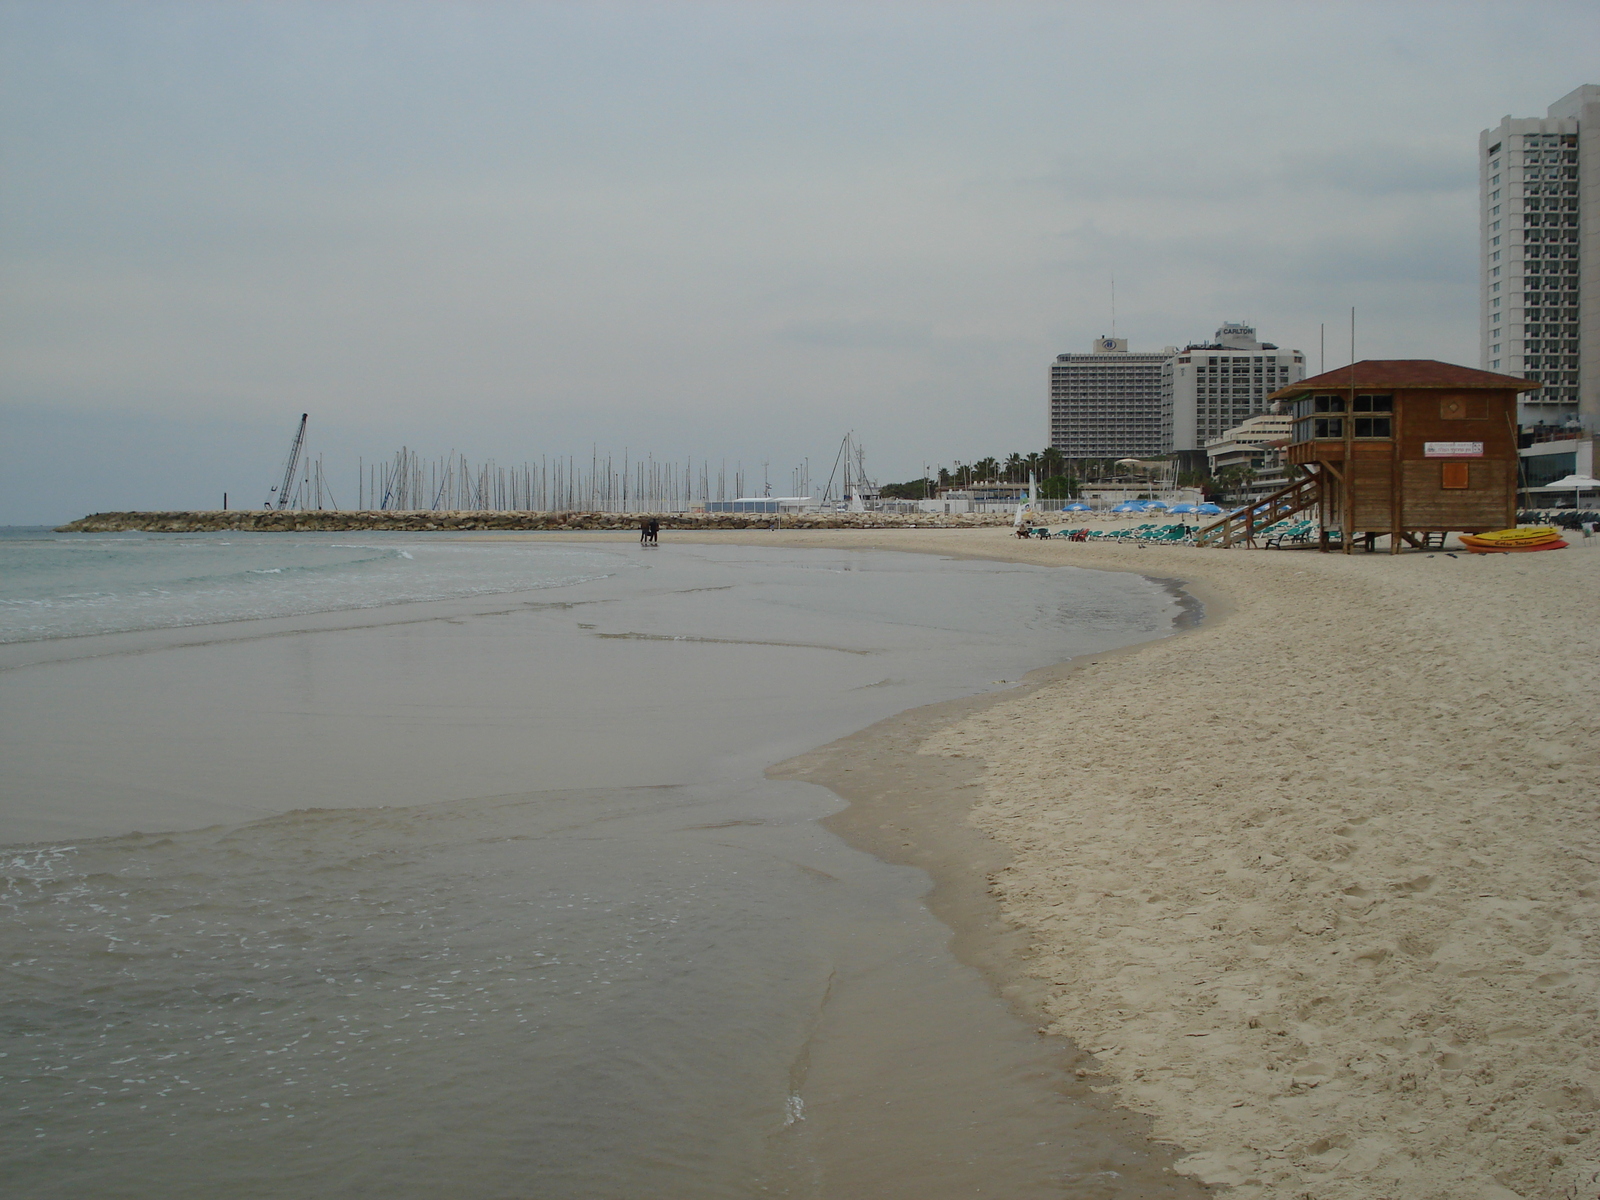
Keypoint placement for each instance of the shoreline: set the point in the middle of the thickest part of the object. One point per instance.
(1314, 882)
(916, 1079)
(1333, 932)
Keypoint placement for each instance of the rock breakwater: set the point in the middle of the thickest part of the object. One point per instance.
(288, 521)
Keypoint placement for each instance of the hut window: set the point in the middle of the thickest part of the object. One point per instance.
(1372, 427)
(1374, 404)
(1329, 427)
(1455, 475)
(1328, 404)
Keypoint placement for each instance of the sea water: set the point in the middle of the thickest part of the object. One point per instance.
(55, 585)
(479, 890)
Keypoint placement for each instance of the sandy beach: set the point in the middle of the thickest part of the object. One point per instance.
(1317, 882)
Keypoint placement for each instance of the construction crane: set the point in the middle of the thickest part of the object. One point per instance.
(294, 460)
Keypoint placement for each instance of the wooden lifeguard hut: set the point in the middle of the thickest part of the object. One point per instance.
(1401, 448)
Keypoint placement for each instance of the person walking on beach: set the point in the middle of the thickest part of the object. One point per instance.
(655, 531)
(644, 531)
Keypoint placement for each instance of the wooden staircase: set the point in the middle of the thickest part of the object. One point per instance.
(1243, 525)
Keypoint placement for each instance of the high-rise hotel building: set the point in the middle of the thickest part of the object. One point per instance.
(1539, 289)
(1112, 403)
(1107, 403)
(1210, 387)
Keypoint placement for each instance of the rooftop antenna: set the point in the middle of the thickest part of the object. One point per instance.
(1113, 306)
(1322, 354)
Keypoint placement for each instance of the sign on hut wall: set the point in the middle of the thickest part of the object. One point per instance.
(1452, 449)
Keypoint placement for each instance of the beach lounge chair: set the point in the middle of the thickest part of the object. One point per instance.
(1288, 532)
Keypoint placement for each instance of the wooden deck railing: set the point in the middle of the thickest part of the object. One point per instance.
(1243, 524)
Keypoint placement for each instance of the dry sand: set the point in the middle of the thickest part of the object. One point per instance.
(1319, 881)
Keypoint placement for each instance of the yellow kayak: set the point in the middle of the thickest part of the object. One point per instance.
(1477, 547)
(1518, 537)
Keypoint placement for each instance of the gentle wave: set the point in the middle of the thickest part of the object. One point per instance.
(53, 588)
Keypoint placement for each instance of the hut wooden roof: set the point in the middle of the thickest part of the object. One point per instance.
(1399, 373)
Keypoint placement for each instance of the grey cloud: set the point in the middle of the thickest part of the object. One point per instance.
(1391, 170)
(1381, 170)
(846, 333)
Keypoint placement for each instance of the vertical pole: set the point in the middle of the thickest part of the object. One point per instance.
(1350, 447)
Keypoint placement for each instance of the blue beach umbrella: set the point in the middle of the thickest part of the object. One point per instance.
(1132, 506)
(1078, 507)
(1184, 508)
(1208, 508)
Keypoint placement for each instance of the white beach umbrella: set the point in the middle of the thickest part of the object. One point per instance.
(1575, 483)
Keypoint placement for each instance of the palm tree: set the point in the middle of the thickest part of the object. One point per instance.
(1232, 480)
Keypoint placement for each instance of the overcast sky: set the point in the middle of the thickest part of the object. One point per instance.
(722, 230)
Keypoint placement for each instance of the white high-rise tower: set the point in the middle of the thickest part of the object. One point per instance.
(1539, 280)
(1209, 387)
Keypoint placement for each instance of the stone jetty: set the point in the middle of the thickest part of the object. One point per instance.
(246, 520)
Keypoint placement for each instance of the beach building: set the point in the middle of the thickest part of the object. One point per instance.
(1403, 448)
(1552, 459)
(1107, 493)
(986, 496)
(1210, 387)
(1107, 403)
(1409, 449)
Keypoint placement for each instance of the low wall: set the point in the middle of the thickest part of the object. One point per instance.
(274, 521)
